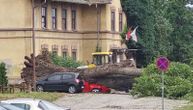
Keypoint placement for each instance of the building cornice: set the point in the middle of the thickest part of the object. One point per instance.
(57, 31)
(86, 2)
(15, 29)
(60, 38)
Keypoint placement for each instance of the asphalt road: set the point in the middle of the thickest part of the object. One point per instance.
(116, 102)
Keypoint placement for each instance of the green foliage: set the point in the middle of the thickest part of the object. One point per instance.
(65, 62)
(178, 81)
(3, 77)
(147, 86)
(165, 28)
(177, 87)
(182, 37)
(191, 62)
(49, 96)
(189, 96)
(122, 34)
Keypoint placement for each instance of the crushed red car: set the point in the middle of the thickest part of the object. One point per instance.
(97, 88)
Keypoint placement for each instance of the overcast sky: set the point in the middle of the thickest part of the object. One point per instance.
(189, 5)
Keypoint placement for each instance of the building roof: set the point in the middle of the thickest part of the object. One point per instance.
(89, 2)
(72, 1)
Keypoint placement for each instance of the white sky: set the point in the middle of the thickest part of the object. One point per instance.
(189, 5)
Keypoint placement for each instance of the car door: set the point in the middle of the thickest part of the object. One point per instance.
(53, 83)
(67, 80)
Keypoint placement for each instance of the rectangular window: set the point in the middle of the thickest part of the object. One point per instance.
(44, 50)
(54, 18)
(64, 19)
(73, 20)
(74, 57)
(55, 52)
(56, 77)
(120, 22)
(44, 19)
(112, 21)
(64, 54)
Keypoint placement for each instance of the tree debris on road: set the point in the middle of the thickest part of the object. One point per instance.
(119, 76)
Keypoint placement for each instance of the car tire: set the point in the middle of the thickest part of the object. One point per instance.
(72, 89)
(39, 88)
(96, 90)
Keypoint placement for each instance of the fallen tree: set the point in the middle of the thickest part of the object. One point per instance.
(118, 76)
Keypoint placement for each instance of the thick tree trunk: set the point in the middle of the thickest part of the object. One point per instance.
(117, 76)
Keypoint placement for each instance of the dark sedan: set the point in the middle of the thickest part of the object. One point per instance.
(61, 81)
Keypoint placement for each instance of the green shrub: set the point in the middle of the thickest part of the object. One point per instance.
(180, 70)
(65, 62)
(3, 77)
(178, 81)
(177, 87)
(147, 86)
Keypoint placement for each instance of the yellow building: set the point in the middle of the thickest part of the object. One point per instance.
(66, 27)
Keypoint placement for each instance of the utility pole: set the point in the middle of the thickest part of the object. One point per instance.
(34, 45)
(98, 26)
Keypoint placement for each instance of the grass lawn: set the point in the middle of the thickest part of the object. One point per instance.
(188, 107)
(39, 95)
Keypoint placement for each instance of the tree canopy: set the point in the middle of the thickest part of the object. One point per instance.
(165, 28)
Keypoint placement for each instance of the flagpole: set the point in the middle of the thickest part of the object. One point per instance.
(132, 34)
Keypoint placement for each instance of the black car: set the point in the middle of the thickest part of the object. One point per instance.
(61, 81)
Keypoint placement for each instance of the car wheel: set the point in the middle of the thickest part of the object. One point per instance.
(39, 88)
(96, 90)
(72, 89)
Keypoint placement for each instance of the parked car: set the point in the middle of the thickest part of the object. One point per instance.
(96, 88)
(61, 81)
(1, 108)
(33, 104)
(5, 106)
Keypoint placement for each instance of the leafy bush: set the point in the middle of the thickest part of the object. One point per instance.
(49, 96)
(3, 77)
(65, 62)
(177, 87)
(178, 81)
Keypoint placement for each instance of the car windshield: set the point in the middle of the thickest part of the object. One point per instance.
(10, 107)
(51, 106)
(1, 108)
(22, 106)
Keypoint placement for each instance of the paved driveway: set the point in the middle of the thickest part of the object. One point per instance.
(116, 102)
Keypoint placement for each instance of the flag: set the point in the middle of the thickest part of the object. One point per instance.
(128, 35)
(133, 34)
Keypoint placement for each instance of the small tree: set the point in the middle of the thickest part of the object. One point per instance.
(65, 62)
(3, 77)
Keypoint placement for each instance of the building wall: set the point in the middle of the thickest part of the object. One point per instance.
(15, 15)
(16, 32)
(14, 42)
(14, 46)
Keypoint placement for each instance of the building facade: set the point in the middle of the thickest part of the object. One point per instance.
(65, 27)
